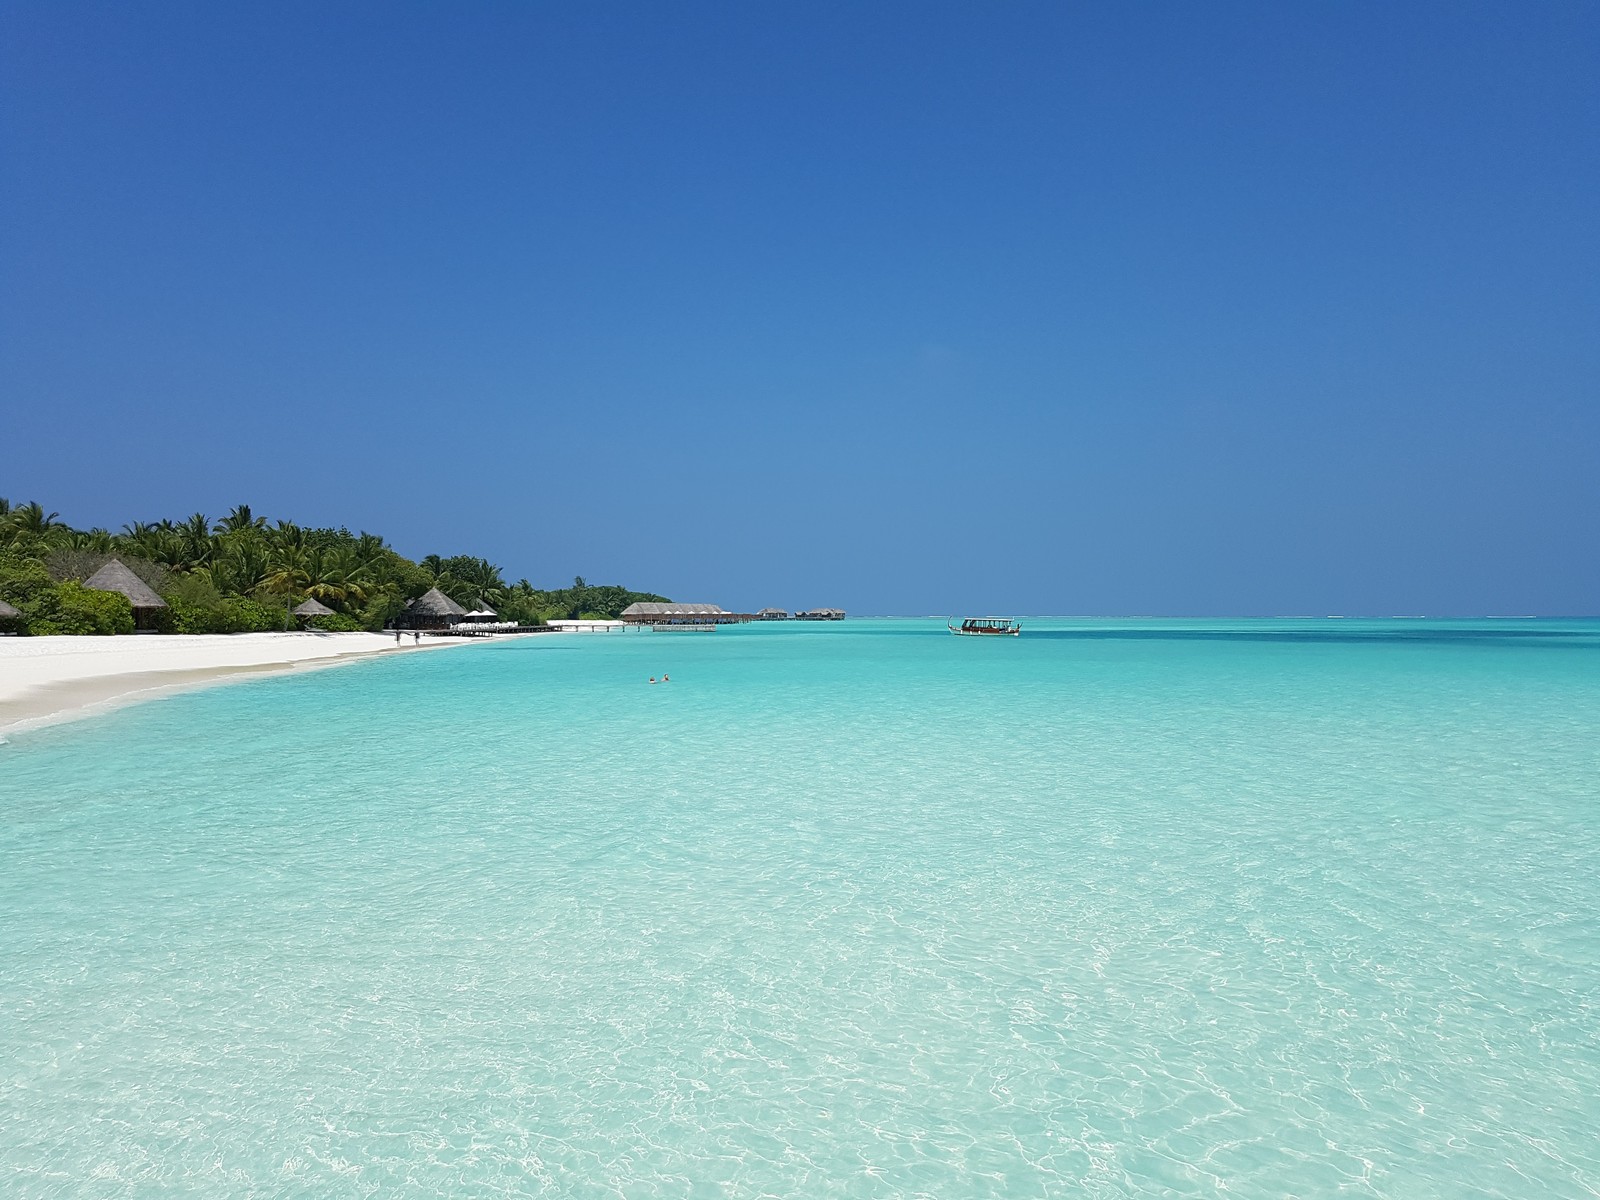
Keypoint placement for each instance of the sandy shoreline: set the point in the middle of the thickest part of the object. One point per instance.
(46, 680)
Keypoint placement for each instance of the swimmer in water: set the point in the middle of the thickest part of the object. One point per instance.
(652, 679)
(666, 679)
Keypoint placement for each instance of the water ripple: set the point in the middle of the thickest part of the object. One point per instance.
(838, 914)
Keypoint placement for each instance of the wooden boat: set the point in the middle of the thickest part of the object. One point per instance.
(987, 627)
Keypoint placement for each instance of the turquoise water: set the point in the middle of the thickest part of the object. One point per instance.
(1250, 909)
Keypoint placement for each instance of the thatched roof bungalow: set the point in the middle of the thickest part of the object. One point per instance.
(313, 608)
(773, 614)
(114, 576)
(8, 613)
(820, 614)
(431, 610)
(669, 616)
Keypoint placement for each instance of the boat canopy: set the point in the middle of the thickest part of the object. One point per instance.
(1001, 625)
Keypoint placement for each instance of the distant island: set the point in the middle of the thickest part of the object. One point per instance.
(242, 574)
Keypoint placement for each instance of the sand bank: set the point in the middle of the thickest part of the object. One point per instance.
(49, 679)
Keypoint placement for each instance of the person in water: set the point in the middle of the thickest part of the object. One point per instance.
(652, 679)
(666, 679)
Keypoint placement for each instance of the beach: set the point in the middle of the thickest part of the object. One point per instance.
(44, 680)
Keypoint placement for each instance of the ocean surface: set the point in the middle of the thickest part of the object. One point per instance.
(1113, 909)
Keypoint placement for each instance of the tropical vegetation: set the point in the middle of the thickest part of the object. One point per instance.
(243, 573)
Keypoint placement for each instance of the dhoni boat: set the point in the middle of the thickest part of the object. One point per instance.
(987, 627)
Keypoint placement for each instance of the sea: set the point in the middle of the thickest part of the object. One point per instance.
(1266, 908)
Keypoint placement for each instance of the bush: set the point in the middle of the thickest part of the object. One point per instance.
(232, 614)
(189, 617)
(22, 578)
(336, 623)
(72, 608)
(252, 616)
(194, 588)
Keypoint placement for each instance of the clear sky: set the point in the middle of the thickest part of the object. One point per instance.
(1166, 308)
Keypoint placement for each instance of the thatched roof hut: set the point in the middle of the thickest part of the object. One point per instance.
(313, 608)
(434, 603)
(431, 610)
(7, 613)
(115, 577)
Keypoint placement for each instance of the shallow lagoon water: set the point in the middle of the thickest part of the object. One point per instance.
(1113, 909)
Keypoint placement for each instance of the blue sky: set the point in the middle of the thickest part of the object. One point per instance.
(906, 308)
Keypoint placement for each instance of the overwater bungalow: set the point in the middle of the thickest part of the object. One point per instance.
(773, 614)
(114, 576)
(820, 614)
(674, 617)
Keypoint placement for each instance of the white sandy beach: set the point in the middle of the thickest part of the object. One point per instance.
(49, 679)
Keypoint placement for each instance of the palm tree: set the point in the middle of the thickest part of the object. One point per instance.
(31, 519)
(97, 541)
(194, 535)
(28, 528)
(287, 534)
(241, 566)
(140, 538)
(339, 578)
(286, 575)
(370, 549)
(240, 520)
(158, 541)
(464, 579)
